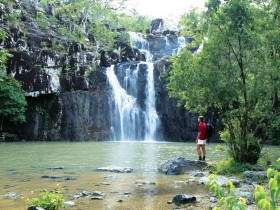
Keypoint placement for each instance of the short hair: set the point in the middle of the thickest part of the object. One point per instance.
(201, 118)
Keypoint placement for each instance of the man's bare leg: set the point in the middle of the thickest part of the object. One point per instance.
(203, 151)
(198, 151)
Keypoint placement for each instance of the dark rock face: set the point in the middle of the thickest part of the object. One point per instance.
(176, 123)
(157, 26)
(180, 165)
(183, 199)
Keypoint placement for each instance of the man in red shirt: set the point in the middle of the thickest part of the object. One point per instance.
(201, 138)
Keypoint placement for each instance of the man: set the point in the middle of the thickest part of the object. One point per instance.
(201, 138)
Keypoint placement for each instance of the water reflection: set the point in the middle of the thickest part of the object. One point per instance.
(23, 164)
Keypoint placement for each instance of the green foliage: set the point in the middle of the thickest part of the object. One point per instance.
(131, 22)
(4, 56)
(274, 129)
(12, 99)
(42, 21)
(219, 148)
(48, 200)
(232, 72)
(229, 167)
(12, 96)
(103, 37)
(228, 198)
(90, 71)
(13, 18)
(269, 200)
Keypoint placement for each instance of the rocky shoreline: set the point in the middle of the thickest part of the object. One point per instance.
(197, 177)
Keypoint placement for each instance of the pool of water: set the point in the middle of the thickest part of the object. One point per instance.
(23, 164)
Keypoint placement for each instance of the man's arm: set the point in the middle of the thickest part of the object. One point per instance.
(198, 134)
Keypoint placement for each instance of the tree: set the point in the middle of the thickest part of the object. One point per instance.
(12, 97)
(13, 103)
(230, 73)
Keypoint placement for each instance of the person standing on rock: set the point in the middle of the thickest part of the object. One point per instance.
(201, 138)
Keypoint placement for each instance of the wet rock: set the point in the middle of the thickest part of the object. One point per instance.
(197, 174)
(96, 198)
(104, 183)
(247, 195)
(258, 168)
(110, 177)
(56, 168)
(246, 191)
(97, 193)
(50, 177)
(180, 165)
(69, 203)
(157, 26)
(183, 199)
(69, 178)
(148, 191)
(213, 200)
(116, 169)
(12, 195)
(145, 183)
(7, 186)
(255, 175)
(221, 180)
(85, 193)
(35, 208)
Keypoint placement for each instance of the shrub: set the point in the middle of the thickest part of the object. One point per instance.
(48, 200)
(230, 167)
(228, 198)
(270, 199)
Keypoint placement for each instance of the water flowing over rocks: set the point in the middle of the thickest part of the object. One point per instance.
(180, 165)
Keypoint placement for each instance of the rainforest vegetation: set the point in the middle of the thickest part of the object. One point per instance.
(236, 71)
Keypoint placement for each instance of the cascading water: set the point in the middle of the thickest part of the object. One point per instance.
(125, 115)
(134, 115)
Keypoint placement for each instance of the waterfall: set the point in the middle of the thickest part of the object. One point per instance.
(133, 114)
(181, 44)
(152, 119)
(125, 113)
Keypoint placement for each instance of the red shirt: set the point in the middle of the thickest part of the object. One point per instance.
(202, 130)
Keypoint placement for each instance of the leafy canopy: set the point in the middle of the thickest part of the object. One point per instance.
(232, 70)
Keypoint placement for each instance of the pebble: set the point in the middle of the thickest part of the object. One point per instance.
(69, 203)
(96, 198)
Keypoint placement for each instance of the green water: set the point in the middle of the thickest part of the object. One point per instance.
(23, 165)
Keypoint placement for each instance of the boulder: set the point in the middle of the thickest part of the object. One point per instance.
(255, 175)
(12, 195)
(183, 199)
(180, 165)
(221, 180)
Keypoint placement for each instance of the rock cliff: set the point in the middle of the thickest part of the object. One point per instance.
(68, 95)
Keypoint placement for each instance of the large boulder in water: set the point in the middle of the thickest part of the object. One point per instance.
(183, 199)
(180, 165)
